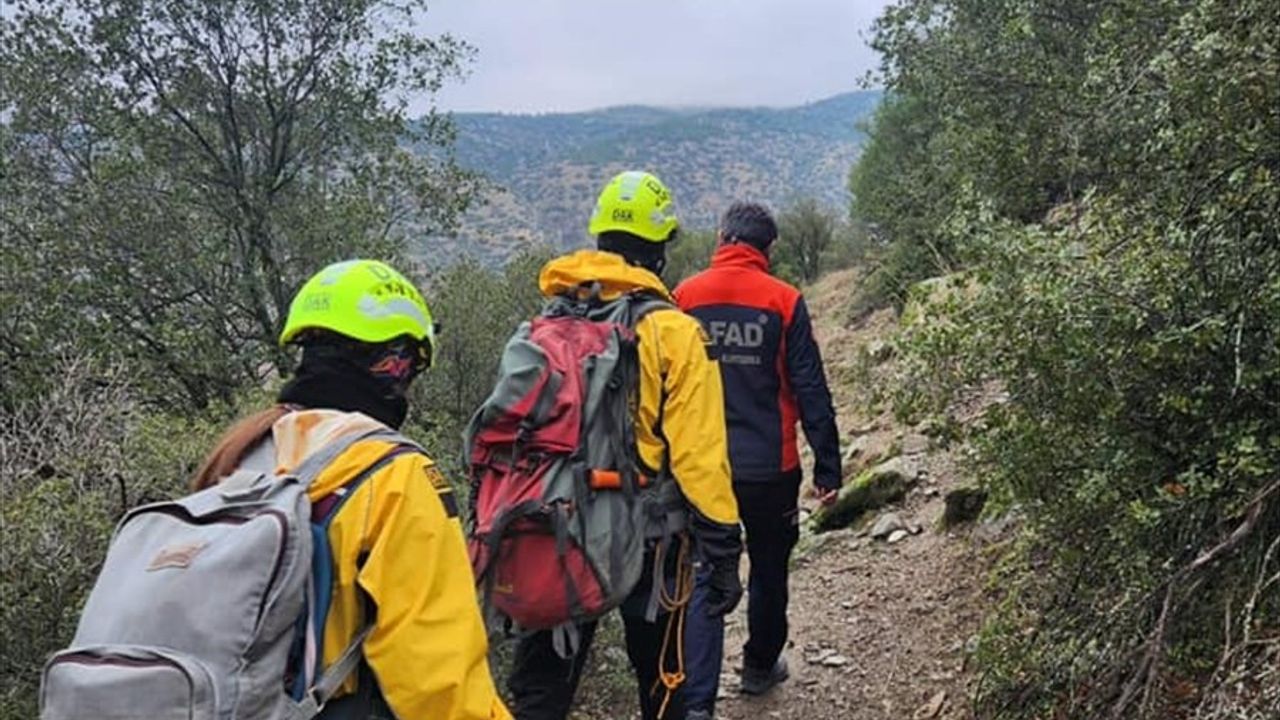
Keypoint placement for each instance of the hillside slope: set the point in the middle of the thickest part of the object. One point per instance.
(546, 169)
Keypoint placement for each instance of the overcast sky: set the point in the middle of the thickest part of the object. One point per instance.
(567, 55)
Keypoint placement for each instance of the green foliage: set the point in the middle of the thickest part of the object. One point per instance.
(806, 234)
(173, 171)
(1112, 183)
(902, 191)
(48, 568)
(690, 255)
(71, 463)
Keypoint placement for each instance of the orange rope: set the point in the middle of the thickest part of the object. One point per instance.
(675, 603)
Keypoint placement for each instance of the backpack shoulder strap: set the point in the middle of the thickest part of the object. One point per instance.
(643, 302)
(323, 512)
(316, 462)
(334, 675)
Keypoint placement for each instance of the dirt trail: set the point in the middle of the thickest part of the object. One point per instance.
(878, 630)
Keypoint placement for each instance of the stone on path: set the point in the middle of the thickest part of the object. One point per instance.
(880, 351)
(857, 446)
(886, 525)
(931, 709)
(835, 660)
(898, 536)
(914, 444)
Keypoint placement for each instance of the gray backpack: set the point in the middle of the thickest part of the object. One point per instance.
(205, 604)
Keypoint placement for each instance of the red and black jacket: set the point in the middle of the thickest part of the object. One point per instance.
(770, 364)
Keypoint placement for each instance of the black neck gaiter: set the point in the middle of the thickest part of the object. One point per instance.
(329, 378)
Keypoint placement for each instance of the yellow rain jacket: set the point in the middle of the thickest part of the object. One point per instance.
(681, 398)
(398, 541)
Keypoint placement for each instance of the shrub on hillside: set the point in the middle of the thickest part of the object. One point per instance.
(1108, 175)
(1140, 437)
(71, 463)
(690, 255)
(806, 234)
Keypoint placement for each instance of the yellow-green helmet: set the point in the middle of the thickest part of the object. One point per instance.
(637, 203)
(365, 300)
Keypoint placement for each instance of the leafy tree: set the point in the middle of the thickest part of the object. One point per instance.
(806, 232)
(902, 192)
(174, 170)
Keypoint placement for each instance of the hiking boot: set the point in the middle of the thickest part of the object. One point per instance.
(699, 715)
(758, 682)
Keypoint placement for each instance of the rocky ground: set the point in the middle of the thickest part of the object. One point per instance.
(879, 625)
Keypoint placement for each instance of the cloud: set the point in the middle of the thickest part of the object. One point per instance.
(564, 55)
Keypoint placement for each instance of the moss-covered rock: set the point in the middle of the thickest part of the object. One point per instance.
(873, 488)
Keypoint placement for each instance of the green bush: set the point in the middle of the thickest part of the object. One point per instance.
(690, 255)
(71, 463)
(1133, 420)
(1108, 176)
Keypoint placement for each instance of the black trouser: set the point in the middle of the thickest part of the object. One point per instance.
(769, 512)
(543, 684)
(771, 520)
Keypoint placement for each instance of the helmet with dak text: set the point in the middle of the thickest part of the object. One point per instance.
(365, 300)
(637, 203)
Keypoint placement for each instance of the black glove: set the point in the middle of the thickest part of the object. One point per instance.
(719, 546)
(724, 589)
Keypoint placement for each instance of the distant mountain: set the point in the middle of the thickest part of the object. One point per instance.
(547, 168)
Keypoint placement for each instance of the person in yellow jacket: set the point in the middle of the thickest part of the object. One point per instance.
(679, 425)
(399, 557)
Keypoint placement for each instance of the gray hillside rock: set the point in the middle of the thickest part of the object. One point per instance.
(880, 351)
(886, 525)
(856, 446)
(914, 444)
(872, 489)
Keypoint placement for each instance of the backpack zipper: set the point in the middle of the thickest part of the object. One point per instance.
(84, 658)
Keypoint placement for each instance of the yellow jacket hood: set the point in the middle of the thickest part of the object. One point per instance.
(615, 275)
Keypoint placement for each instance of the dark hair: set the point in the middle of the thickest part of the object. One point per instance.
(636, 250)
(750, 223)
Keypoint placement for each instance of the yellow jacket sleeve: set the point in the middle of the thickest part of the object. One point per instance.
(692, 411)
(428, 647)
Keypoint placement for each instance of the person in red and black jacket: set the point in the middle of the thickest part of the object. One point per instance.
(772, 375)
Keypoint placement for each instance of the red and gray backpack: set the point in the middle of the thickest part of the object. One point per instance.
(561, 509)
